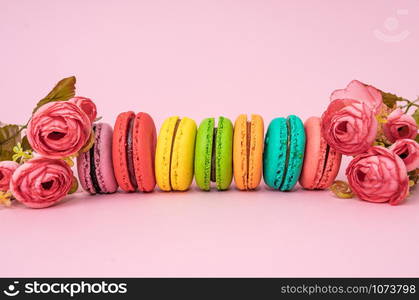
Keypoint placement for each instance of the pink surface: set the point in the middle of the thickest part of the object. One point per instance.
(262, 233)
(163, 57)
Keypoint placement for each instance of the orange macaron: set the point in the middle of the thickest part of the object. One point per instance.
(248, 151)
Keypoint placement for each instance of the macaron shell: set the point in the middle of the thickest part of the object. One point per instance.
(103, 158)
(182, 164)
(224, 154)
(275, 153)
(331, 170)
(256, 152)
(83, 171)
(296, 152)
(315, 155)
(163, 153)
(144, 146)
(318, 173)
(203, 154)
(119, 148)
(321, 160)
(240, 152)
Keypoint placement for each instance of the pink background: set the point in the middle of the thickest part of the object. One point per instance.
(200, 59)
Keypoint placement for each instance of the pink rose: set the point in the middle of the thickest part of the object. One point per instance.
(86, 105)
(7, 168)
(359, 91)
(349, 126)
(408, 151)
(41, 182)
(59, 129)
(400, 126)
(378, 175)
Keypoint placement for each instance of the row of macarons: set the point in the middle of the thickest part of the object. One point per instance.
(131, 155)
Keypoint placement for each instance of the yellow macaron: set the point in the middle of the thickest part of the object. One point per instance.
(175, 154)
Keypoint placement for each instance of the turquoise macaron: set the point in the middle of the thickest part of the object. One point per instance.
(284, 152)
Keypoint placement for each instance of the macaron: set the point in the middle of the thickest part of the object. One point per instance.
(284, 153)
(175, 154)
(321, 163)
(214, 154)
(94, 167)
(248, 151)
(134, 146)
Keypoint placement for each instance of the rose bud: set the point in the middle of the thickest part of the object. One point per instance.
(86, 105)
(349, 126)
(41, 182)
(7, 168)
(400, 126)
(59, 129)
(408, 151)
(378, 175)
(359, 91)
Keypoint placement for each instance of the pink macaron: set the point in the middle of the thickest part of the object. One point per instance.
(321, 163)
(95, 167)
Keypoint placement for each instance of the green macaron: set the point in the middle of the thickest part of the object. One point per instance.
(214, 154)
(284, 153)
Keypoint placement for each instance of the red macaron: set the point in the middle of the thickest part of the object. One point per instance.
(133, 151)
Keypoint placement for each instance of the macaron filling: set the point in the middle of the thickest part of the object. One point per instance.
(92, 172)
(213, 156)
(295, 152)
(171, 150)
(330, 168)
(326, 157)
(287, 157)
(130, 153)
(248, 143)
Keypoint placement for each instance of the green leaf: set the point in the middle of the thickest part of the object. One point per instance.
(416, 116)
(74, 186)
(25, 144)
(414, 176)
(65, 89)
(390, 99)
(9, 137)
